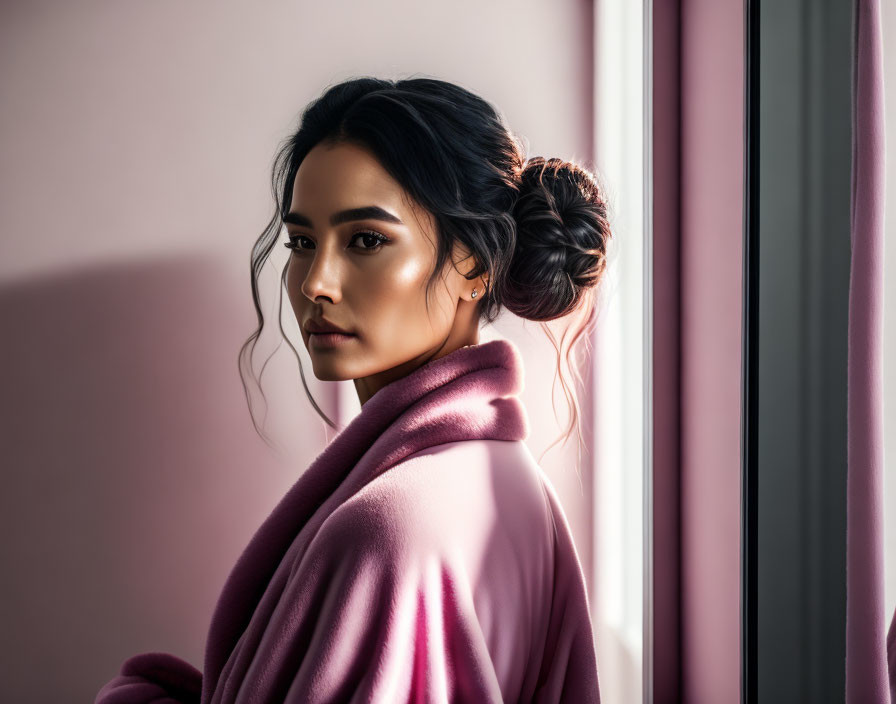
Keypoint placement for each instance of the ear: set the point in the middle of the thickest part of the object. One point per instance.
(464, 263)
(481, 286)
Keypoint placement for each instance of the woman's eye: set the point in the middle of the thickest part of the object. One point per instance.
(372, 241)
(294, 242)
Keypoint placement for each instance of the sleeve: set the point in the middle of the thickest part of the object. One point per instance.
(372, 614)
(159, 678)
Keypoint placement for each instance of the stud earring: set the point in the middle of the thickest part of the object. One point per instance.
(473, 295)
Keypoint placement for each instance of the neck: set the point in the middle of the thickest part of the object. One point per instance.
(367, 386)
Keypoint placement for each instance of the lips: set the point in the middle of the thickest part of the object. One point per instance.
(324, 327)
(321, 341)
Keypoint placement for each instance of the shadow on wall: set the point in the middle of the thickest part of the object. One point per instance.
(133, 477)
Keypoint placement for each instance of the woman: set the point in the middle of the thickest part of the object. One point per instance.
(423, 556)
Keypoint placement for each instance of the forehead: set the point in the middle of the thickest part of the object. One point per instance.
(343, 175)
(336, 177)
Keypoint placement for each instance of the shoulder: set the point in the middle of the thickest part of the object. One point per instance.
(463, 465)
(453, 474)
(444, 498)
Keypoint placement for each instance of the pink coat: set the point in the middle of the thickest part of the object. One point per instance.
(423, 557)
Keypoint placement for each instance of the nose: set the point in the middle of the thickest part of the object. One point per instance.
(322, 279)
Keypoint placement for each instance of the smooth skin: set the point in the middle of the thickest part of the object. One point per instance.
(374, 289)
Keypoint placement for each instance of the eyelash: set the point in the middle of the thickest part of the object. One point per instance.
(293, 243)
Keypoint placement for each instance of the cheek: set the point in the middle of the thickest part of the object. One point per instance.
(293, 279)
(394, 300)
(393, 289)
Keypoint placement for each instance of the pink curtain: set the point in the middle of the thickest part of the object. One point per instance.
(698, 64)
(667, 653)
(867, 663)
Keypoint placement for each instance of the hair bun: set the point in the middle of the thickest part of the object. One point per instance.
(561, 242)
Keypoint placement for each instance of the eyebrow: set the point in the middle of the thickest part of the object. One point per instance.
(368, 212)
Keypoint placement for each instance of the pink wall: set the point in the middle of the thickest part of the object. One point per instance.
(136, 142)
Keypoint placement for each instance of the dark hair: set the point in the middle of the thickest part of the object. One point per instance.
(538, 227)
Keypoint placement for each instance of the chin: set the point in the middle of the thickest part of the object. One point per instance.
(329, 366)
(329, 369)
(329, 375)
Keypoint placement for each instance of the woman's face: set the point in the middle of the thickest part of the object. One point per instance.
(362, 254)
